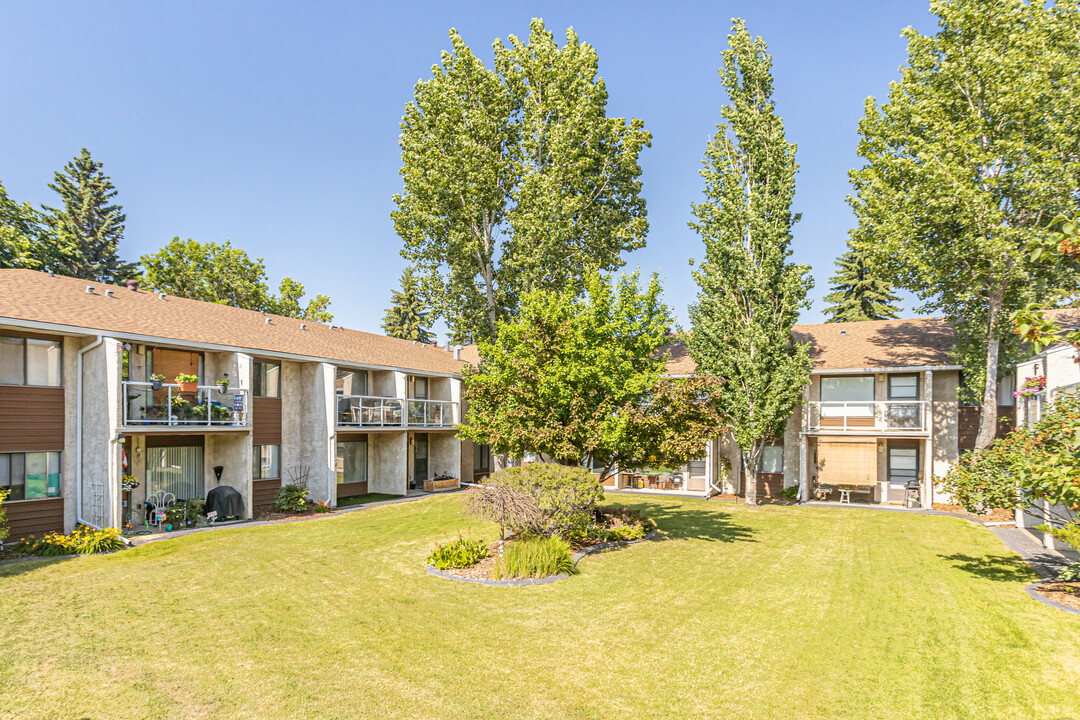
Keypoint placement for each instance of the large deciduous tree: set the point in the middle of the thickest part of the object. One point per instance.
(580, 377)
(20, 231)
(859, 292)
(750, 295)
(515, 179)
(220, 273)
(975, 152)
(87, 230)
(407, 318)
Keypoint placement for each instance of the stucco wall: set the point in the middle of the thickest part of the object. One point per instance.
(308, 426)
(233, 452)
(388, 453)
(791, 447)
(71, 348)
(101, 419)
(945, 434)
(444, 455)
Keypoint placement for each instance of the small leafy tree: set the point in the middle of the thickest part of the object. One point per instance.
(407, 318)
(20, 230)
(750, 295)
(858, 292)
(87, 230)
(577, 378)
(220, 273)
(1061, 248)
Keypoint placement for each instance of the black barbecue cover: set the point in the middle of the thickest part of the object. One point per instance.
(226, 501)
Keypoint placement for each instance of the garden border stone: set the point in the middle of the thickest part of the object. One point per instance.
(576, 557)
(1032, 589)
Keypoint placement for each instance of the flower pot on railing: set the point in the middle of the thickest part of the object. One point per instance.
(156, 382)
(187, 383)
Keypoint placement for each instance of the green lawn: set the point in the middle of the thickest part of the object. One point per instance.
(774, 612)
(364, 499)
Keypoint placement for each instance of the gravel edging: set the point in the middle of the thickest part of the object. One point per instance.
(576, 557)
(1032, 589)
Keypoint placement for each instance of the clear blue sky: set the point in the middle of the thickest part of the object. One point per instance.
(276, 124)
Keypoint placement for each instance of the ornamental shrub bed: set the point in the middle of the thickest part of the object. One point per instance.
(83, 540)
(534, 557)
(460, 553)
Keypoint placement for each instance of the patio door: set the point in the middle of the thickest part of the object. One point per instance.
(903, 467)
(420, 459)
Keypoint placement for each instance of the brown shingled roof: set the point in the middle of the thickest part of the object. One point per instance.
(917, 342)
(30, 295)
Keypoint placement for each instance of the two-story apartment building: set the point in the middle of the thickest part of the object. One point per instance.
(882, 412)
(91, 391)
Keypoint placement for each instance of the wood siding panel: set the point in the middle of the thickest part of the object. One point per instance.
(968, 424)
(174, 440)
(345, 490)
(264, 491)
(266, 421)
(31, 418)
(770, 484)
(34, 517)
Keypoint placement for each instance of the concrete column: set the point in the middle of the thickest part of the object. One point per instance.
(928, 448)
(388, 461)
(804, 476)
(100, 421)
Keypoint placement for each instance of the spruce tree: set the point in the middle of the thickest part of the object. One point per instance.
(857, 293)
(406, 316)
(87, 230)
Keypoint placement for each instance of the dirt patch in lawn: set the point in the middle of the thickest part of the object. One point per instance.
(1066, 593)
(996, 515)
(268, 513)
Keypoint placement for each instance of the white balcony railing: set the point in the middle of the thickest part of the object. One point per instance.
(869, 416)
(372, 411)
(170, 406)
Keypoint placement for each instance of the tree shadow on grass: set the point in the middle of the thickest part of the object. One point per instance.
(10, 568)
(683, 523)
(1005, 568)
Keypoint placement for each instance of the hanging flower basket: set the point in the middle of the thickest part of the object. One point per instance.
(1031, 386)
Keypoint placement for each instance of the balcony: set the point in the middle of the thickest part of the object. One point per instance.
(171, 406)
(892, 416)
(369, 411)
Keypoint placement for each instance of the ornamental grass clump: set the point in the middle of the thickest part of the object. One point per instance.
(534, 557)
(460, 553)
(83, 540)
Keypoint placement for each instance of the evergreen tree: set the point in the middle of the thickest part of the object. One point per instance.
(406, 316)
(88, 230)
(750, 295)
(858, 294)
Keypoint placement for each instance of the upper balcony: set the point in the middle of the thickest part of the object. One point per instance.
(155, 404)
(369, 411)
(869, 417)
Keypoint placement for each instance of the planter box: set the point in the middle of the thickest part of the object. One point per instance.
(437, 485)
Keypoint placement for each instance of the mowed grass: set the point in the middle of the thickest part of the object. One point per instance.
(772, 612)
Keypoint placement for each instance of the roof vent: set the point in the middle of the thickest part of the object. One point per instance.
(267, 321)
(108, 293)
(89, 289)
(303, 326)
(51, 273)
(457, 353)
(132, 284)
(162, 296)
(843, 332)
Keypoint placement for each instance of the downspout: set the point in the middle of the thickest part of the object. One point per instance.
(78, 431)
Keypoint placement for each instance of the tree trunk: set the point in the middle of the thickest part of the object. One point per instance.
(749, 480)
(988, 414)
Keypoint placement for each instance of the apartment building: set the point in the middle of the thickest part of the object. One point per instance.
(100, 382)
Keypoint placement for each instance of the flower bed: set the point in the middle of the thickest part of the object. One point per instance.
(1066, 593)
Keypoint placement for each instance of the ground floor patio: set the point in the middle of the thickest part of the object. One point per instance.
(769, 612)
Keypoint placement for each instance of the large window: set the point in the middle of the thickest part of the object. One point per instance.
(266, 462)
(696, 468)
(267, 379)
(351, 382)
(30, 476)
(851, 396)
(420, 388)
(176, 470)
(903, 387)
(351, 461)
(29, 361)
(771, 460)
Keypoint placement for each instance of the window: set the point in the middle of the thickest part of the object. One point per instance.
(771, 460)
(1005, 388)
(596, 466)
(420, 457)
(696, 468)
(420, 388)
(903, 387)
(30, 476)
(481, 457)
(352, 461)
(266, 462)
(29, 361)
(851, 396)
(351, 382)
(267, 380)
(176, 470)
(971, 397)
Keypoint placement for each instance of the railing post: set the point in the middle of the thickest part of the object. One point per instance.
(168, 406)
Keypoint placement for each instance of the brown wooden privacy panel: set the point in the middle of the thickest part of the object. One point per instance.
(174, 440)
(345, 490)
(34, 517)
(968, 424)
(266, 421)
(171, 363)
(264, 491)
(847, 463)
(31, 418)
(770, 484)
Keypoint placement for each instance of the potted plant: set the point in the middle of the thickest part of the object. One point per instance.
(223, 384)
(156, 380)
(187, 383)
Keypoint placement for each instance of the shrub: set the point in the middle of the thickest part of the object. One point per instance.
(624, 533)
(1070, 573)
(534, 557)
(543, 499)
(3, 515)
(460, 553)
(322, 507)
(790, 493)
(82, 541)
(1067, 533)
(291, 498)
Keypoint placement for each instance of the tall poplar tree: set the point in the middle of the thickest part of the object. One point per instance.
(87, 231)
(750, 295)
(858, 293)
(515, 179)
(974, 154)
(406, 317)
(20, 228)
